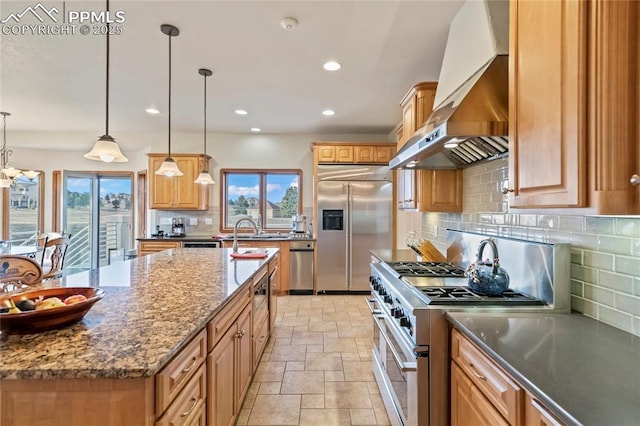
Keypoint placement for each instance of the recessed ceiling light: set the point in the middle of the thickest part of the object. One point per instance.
(289, 23)
(328, 112)
(256, 129)
(241, 112)
(152, 110)
(332, 66)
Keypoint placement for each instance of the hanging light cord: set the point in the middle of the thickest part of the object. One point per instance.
(4, 151)
(170, 36)
(106, 132)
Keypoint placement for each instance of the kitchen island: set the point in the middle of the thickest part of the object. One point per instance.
(105, 368)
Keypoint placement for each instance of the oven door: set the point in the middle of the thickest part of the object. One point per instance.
(396, 370)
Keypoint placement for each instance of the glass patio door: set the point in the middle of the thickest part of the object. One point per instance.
(97, 213)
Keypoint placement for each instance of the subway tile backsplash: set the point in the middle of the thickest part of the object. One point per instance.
(605, 251)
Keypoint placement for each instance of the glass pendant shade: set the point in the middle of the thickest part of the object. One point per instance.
(169, 168)
(10, 172)
(31, 174)
(5, 183)
(107, 150)
(204, 178)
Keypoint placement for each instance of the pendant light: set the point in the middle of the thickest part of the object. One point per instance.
(106, 149)
(169, 167)
(204, 178)
(9, 174)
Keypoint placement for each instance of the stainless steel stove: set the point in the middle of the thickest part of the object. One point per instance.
(411, 333)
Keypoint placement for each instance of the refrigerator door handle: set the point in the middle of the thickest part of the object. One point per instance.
(349, 237)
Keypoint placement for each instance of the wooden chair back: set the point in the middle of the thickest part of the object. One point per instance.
(17, 272)
(53, 255)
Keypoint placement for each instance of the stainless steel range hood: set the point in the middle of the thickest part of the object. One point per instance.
(470, 121)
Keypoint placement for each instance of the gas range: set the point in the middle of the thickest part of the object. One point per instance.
(442, 283)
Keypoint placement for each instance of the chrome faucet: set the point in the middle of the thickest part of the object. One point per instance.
(235, 230)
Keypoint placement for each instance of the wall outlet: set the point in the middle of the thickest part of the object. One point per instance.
(193, 221)
(165, 221)
(208, 221)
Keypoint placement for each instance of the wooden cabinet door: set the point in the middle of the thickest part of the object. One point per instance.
(344, 154)
(440, 191)
(189, 194)
(408, 120)
(326, 154)
(221, 395)
(244, 355)
(547, 103)
(382, 154)
(537, 414)
(161, 188)
(274, 284)
(363, 154)
(468, 406)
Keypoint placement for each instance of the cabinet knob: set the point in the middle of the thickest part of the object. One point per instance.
(635, 180)
(506, 190)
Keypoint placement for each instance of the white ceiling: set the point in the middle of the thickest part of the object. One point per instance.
(57, 83)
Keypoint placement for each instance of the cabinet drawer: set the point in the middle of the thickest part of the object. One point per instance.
(503, 392)
(155, 246)
(260, 340)
(223, 319)
(469, 405)
(189, 406)
(177, 372)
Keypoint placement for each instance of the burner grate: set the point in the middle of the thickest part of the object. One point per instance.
(462, 295)
(427, 269)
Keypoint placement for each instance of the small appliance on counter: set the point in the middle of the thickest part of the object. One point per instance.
(299, 224)
(177, 227)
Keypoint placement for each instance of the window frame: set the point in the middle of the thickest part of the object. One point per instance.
(6, 208)
(224, 173)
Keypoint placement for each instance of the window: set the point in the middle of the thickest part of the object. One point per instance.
(23, 211)
(269, 196)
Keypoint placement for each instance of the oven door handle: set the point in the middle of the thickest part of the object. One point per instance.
(371, 308)
(404, 366)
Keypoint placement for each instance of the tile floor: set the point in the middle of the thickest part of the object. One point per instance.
(316, 368)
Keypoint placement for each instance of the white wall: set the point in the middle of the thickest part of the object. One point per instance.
(273, 151)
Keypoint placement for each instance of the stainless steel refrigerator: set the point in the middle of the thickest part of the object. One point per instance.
(355, 215)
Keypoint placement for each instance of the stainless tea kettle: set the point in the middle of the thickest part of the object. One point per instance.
(487, 277)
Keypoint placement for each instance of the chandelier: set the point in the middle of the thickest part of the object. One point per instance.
(9, 174)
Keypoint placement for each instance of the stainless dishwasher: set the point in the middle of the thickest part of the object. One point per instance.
(301, 267)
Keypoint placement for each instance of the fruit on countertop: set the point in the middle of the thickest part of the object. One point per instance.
(12, 308)
(51, 302)
(26, 305)
(76, 298)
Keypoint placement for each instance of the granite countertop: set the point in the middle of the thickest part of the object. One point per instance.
(153, 305)
(584, 371)
(395, 255)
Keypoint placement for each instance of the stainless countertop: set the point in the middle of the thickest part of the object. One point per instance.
(585, 371)
(153, 305)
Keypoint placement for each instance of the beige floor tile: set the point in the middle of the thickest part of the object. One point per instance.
(307, 338)
(243, 417)
(278, 410)
(312, 401)
(345, 344)
(350, 356)
(363, 416)
(346, 395)
(315, 348)
(296, 321)
(323, 325)
(294, 366)
(324, 417)
(373, 388)
(282, 332)
(333, 376)
(269, 371)
(354, 331)
(302, 382)
(323, 361)
(288, 353)
(358, 371)
(269, 388)
(379, 410)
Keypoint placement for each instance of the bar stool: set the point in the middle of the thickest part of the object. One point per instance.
(18, 272)
(54, 252)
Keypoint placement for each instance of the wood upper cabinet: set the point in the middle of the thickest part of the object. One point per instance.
(573, 105)
(425, 190)
(352, 153)
(178, 192)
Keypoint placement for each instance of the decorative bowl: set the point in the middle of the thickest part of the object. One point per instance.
(47, 319)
